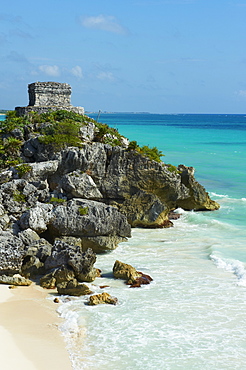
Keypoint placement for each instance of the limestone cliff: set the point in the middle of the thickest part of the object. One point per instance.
(65, 177)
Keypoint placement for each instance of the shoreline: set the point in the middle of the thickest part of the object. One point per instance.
(29, 331)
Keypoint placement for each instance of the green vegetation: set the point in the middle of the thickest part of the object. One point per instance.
(54, 200)
(62, 128)
(19, 197)
(107, 135)
(172, 168)
(61, 134)
(152, 153)
(9, 151)
(22, 169)
(57, 116)
(83, 211)
(12, 121)
(59, 129)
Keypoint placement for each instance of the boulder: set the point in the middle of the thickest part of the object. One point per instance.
(128, 273)
(35, 255)
(82, 264)
(101, 244)
(40, 248)
(48, 281)
(141, 280)
(87, 219)
(35, 151)
(80, 185)
(72, 257)
(102, 299)
(73, 288)
(37, 218)
(60, 275)
(16, 280)
(28, 236)
(124, 271)
(63, 274)
(17, 195)
(198, 199)
(32, 266)
(41, 171)
(11, 254)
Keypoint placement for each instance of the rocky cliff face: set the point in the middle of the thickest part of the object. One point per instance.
(88, 196)
(143, 190)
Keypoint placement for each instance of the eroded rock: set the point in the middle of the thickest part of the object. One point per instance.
(124, 271)
(73, 288)
(131, 276)
(82, 263)
(15, 280)
(103, 298)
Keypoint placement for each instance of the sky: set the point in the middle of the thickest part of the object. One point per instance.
(157, 56)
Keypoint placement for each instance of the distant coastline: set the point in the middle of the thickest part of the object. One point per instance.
(105, 112)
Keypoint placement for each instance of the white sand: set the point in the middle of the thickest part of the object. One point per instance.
(29, 334)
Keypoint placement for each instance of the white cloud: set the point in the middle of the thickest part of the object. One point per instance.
(241, 93)
(77, 71)
(103, 22)
(50, 70)
(106, 76)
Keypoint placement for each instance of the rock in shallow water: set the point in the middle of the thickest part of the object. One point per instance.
(128, 273)
(103, 298)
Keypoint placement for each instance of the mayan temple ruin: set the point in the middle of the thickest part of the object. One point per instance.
(48, 96)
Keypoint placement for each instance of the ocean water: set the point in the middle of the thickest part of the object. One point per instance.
(192, 316)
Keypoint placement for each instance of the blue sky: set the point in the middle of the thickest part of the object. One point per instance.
(160, 56)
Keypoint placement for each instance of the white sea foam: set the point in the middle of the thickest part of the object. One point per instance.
(234, 266)
(212, 194)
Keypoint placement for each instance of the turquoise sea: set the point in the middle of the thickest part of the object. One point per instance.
(192, 316)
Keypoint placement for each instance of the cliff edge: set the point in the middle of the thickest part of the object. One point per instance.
(65, 177)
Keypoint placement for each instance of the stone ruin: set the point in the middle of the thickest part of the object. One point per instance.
(48, 96)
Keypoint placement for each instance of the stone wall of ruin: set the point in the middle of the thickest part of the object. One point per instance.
(48, 96)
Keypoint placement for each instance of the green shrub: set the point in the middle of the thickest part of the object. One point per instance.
(103, 130)
(11, 145)
(23, 168)
(62, 134)
(83, 211)
(10, 152)
(152, 153)
(19, 197)
(172, 168)
(57, 200)
(133, 145)
(12, 121)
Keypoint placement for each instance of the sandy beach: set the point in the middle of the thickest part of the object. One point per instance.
(29, 334)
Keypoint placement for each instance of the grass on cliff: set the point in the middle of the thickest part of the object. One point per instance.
(152, 153)
(59, 129)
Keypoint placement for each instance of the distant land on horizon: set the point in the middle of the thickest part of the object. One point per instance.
(99, 112)
(106, 112)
